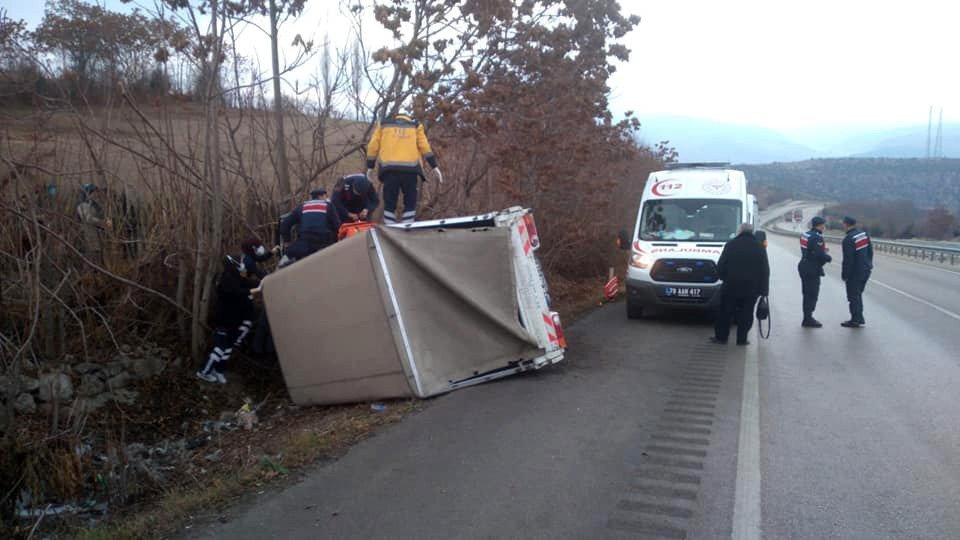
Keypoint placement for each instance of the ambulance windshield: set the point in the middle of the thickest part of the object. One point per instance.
(690, 220)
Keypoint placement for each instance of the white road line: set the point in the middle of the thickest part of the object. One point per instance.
(746, 508)
(946, 312)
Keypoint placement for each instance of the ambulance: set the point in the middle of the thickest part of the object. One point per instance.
(687, 213)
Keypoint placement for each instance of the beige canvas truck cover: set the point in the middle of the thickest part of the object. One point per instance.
(393, 313)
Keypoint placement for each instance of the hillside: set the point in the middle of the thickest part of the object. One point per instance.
(699, 139)
(706, 140)
(906, 143)
(926, 183)
(132, 147)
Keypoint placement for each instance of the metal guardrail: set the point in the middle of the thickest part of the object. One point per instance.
(924, 252)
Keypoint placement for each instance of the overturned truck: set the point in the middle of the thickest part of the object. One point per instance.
(414, 310)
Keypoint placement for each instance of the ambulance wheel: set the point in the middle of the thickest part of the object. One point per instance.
(634, 311)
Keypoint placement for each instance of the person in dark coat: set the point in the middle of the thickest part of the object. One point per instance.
(317, 226)
(233, 315)
(355, 198)
(92, 222)
(254, 253)
(745, 271)
(813, 255)
(857, 266)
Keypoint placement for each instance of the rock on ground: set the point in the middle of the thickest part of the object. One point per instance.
(25, 404)
(86, 367)
(118, 381)
(90, 385)
(55, 386)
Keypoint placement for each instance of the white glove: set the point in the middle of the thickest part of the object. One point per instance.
(370, 175)
(436, 171)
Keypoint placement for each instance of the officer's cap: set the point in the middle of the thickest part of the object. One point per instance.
(817, 220)
(354, 182)
(316, 192)
(849, 220)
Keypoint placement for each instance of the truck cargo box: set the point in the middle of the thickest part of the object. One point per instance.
(413, 311)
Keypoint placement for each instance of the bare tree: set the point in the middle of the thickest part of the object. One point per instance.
(356, 79)
(283, 175)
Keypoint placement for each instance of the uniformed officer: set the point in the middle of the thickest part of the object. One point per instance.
(397, 144)
(813, 255)
(355, 198)
(233, 314)
(317, 225)
(857, 266)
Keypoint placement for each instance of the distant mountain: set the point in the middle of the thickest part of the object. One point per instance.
(890, 140)
(707, 140)
(909, 142)
(926, 183)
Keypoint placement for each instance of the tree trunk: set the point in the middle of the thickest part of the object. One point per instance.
(208, 232)
(216, 174)
(283, 176)
(182, 272)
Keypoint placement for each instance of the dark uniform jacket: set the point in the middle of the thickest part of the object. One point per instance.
(857, 256)
(251, 265)
(813, 254)
(314, 218)
(743, 266)
(397, 144)
(233, 304)
(354, 194)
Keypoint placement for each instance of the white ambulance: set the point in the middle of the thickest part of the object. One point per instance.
(687, 213)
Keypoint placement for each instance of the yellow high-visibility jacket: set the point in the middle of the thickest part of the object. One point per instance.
(397, 145)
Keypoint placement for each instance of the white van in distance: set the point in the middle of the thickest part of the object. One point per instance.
(687, 213)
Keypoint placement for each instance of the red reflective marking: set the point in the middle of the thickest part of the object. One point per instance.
(611, 288)
(526, 237)
(315, 207)
(551, 329)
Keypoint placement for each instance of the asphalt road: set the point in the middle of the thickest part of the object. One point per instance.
(647, 431)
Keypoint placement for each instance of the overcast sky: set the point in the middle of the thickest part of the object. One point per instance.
(785, 65)
(789, 65)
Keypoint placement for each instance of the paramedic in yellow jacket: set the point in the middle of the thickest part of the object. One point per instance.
(397, 145)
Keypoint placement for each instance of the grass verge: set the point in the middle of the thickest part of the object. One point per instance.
(314, 436)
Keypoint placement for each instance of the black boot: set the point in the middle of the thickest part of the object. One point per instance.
(810, 322)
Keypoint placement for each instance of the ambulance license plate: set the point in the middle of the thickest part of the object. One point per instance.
(683, 292)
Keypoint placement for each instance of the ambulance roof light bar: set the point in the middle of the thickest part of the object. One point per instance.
(698, 165)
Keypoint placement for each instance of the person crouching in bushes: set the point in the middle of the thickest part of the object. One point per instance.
(233, 315)
(254, 253)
